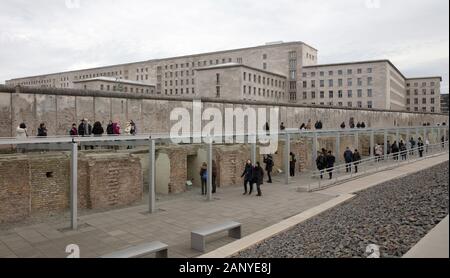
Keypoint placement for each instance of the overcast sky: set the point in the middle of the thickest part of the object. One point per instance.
(46, 36)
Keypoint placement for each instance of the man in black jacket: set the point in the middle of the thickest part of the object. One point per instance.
(268, 160)
(356, 160)
(321, 163)
(248, 176)
(258, 178)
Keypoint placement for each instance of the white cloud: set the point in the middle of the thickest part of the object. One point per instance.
(46, 36)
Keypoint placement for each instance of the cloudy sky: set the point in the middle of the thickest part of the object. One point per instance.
(45, 36)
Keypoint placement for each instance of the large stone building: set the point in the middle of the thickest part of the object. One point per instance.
(248, 73)
(444, 103)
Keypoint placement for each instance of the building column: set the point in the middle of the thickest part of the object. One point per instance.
(151, 177)
(357, 140)
(372, 143)
(385, 143)
(74, 186)
(338, 148)
(287, 151)
(315, 139)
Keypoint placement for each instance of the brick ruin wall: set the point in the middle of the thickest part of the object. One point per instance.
(41, 183)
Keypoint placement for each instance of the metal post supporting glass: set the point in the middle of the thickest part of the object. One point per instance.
(209, 179)
(74, 186)
(151, 177)
(253, 149)
(338, 148)
(287, 151)
(385, 150)
(372, 143)
(357, 140)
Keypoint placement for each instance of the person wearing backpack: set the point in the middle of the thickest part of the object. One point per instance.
(348, 157)
(269, 167)
(204, 177)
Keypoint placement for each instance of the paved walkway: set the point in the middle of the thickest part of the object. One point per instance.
(106, 232)
(433, 245)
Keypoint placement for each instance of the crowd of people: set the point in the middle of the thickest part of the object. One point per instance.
(84, 129)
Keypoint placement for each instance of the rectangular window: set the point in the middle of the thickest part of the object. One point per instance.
(350, 93)
(359, 71)
(349, 71)
(359, 104)
(340, 83)
(349, 104)
(369, 104)
(408, 101)
(305, 95)
(360, 82)
(416, 101)
(330, 73)
(313, 83)
(369, 70)
(322, 83)
(424, 101)
(432, 100)
(349, 82)
(330, 94)
(217, 91)
(313, 95)
(369, 81)
(322, 94)
(330, 83)
(340, 72)
(340, 104)
(432, 110)
(359, 93)
(340, 95)
(305, 84)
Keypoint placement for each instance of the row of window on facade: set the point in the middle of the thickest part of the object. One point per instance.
(339, 72)
(179, 74)
(102, 74)
(424, 101)
(310, 56)
(359, 104)
(263, 80)
(180, 91)
(340, 94)
(424, 84)
(124, 89)
(424, 109)
(340, 83)
(424, 92)
(199, 64)
(181, 82)
(249, 90)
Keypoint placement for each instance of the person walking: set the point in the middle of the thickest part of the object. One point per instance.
(204, 177)
(356, 160)
(412, 146)
(348, 158)
(247, 175)
(331, 160)
(268, 160)
(292, 162)
(257, 178)
(98, 130)
(73, 131)
(321, 163)
(214, 177)
(42, 130)
(420, 146)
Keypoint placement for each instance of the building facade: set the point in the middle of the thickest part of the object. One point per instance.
(423, 94)
(114, 85)
(444, 103)
(369, 84)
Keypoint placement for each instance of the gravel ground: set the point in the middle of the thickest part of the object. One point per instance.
(394, 215)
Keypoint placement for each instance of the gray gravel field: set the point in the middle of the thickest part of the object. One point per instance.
(394, 215)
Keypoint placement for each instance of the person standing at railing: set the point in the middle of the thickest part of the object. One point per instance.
(395, 150)
(331, 160)
(74, 131)
(427, 145)
(282, 127)
(321, 163)
(42, 130)
(356, 160)
(412, 146)
(110, 128)
(443, 142)
(348, 157)
(420, 146)
(403, 150)
(378, 152)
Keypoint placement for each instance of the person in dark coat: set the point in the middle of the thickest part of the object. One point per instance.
(395, 150)
(74, 130)
(268, 160)
(331, 160)
(356, 160)
(248, 176)
(343, 125)
(403, 151)
(42, 130)
(214, 176)
(363, 125)
(109, 128)
(358, 125)
(257, 178)
(98, 130)
(348, 157)
(282, 127)
(292, 162)
(303, 126)
(420, 146)
(412, 145)
(321, 163)
(204, 177)
(84, 129)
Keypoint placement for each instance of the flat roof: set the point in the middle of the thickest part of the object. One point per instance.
(431, 77)
(235, 65)
(173, 58)
(114, 80)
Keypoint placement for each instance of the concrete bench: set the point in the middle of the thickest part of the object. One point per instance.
(198, 237)
(159, 248)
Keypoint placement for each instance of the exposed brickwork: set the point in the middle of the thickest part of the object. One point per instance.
(178, 173)
(14, 190)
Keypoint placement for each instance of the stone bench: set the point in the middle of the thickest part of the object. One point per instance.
(198, 237)
(159, 248)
